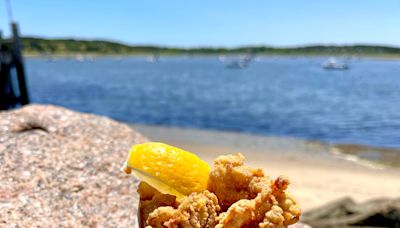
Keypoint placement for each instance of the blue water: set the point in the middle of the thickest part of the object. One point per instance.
(280, 96)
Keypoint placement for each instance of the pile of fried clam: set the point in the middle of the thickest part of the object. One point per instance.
(234, 195)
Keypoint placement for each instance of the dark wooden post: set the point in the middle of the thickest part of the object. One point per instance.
(24, 98)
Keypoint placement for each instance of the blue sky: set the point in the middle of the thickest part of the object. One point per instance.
(211, 22)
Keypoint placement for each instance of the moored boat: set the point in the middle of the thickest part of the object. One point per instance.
(331, 64)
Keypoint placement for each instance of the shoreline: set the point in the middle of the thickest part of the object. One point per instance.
(96, 55)
(371, 156)
(318, 174)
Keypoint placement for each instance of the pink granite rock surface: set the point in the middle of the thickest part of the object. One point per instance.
(60, 168)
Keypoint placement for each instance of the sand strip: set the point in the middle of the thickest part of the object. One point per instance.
(318, 176)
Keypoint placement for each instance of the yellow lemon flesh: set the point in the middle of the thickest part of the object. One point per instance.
(168, 169)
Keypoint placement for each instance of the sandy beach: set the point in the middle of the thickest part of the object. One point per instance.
(318, 175)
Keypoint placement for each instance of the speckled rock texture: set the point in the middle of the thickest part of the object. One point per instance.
(60, 168)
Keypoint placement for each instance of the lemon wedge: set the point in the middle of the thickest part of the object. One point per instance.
(168, 169)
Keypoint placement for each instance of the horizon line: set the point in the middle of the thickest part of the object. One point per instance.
(208, 46)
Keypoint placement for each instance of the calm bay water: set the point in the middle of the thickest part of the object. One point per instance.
(280, 96)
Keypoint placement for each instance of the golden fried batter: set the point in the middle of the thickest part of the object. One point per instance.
(161, 216)
(151, 199)
(271, 208)
(230, 179)
(258, 201)
(240, 214)
(196, 210)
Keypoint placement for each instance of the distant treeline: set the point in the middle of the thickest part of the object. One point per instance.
(39, 46)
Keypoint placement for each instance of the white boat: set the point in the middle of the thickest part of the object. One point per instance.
(80, 58)
(331, 64)
(152, 59)
(237, 64)
(240, 63)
